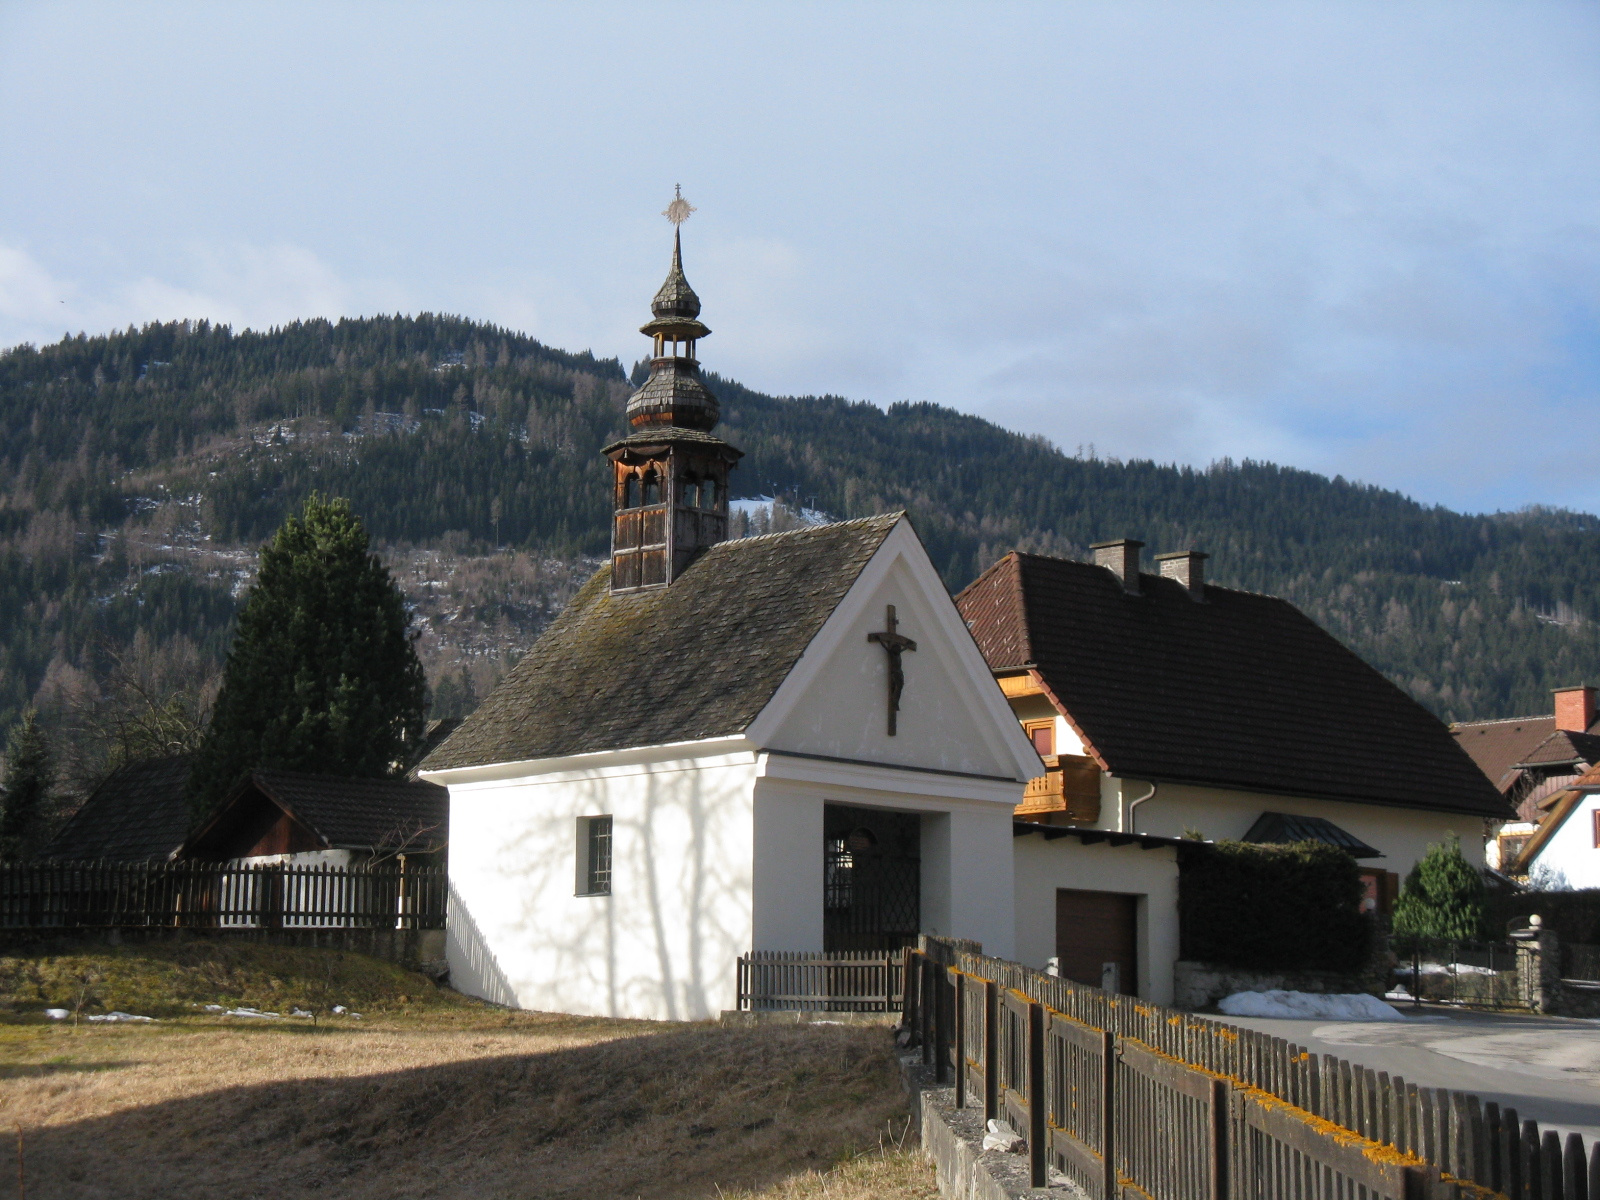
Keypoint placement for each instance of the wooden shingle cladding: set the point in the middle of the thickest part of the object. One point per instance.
(696, 660)
(1240, 691)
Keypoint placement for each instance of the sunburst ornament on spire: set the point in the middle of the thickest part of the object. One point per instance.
(678, 211)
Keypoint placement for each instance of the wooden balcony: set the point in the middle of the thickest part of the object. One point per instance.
(1068, 792)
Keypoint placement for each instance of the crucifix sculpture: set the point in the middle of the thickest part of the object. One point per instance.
(894, 644)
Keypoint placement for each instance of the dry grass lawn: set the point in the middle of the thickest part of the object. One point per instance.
(437, 1096)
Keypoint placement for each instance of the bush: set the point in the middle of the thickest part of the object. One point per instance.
(1272, 907)
(1444, 898)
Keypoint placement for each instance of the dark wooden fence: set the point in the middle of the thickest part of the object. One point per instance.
(1133, 1101)
(198, 895)
(840, 981)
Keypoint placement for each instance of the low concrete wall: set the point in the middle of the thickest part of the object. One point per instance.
(953, 1138)
(1198, 986)
(418, 949)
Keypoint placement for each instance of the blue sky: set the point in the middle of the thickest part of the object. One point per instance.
(1358, 238)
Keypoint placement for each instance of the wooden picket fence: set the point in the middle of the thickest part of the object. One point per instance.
(840, 981)
(1134, 1101)
(202, 895)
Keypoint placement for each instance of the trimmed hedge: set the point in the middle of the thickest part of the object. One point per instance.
(1574, 916)
(1272, 907)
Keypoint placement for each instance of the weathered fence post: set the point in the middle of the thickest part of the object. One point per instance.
(1109, 1190)
(991, 1051)
(960, 1039)
(1038, 1157)
(1218, 1139)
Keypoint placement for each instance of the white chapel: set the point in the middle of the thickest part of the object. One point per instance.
(788, 742)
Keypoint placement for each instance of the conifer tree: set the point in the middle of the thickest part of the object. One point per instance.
(322, 675)
(25, 792)
(1443, 897)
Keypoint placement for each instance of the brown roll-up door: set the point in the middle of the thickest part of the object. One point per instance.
(1094, 928)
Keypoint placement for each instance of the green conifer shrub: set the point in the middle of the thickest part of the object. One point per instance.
(25, 791)
(1443, 897)
(322, 675)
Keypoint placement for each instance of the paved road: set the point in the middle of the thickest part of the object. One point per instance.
(1547, 1068)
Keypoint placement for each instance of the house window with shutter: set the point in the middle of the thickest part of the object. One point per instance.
(1043, 736)
(594, 856)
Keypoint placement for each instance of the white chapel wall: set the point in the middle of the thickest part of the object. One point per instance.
(1065, 862)
(661, 945)
(1403, 835)
(843, 710)
(966, 869)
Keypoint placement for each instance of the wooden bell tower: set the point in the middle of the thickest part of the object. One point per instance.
(670, 474)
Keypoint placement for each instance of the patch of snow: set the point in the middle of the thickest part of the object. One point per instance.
(119, 1017)
(298, 1012)
(1308, 1006)
(755, 506)
(1449, 969)
(216, 1008)
(253, 1012)
(57, 1014)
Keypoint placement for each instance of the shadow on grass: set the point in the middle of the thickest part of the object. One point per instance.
(678, 1114)
(46, 1069)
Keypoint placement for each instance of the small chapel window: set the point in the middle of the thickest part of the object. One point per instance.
(594, 856)
(630, 492)
(691, 494)
(708, 494)
(652, 488)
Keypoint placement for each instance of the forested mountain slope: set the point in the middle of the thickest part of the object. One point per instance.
(139, 470)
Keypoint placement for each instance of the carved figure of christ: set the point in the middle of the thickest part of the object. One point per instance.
(894, 644)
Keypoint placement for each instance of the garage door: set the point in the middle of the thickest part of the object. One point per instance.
(1095, 928)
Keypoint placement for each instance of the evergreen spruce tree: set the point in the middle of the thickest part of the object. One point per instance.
(25, 791)
(322, 675)
(1443, 897)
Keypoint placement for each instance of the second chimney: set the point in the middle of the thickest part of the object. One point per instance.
(1575, 709)
(1188, 567)
(1121, 558)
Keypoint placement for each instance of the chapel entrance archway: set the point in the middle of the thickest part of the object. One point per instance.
(871, 878)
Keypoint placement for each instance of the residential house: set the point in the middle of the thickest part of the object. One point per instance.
(1163, 705)
(1562, 848)
(1531, 760)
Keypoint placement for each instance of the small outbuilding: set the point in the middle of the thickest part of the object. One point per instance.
(302, 819)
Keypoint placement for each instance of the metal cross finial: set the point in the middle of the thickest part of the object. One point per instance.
(678, 211)
(894, 644)
(680, 208)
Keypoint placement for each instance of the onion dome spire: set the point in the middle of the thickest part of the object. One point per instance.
(674, 395)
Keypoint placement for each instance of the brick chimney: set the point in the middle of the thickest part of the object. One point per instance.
(1575, 708)
(1121, 558)
(1188, 567)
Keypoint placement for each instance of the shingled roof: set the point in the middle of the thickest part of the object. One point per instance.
(1498, 746)
(696, 660)
(343, 813)
(1241, 691)
(140, 812)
